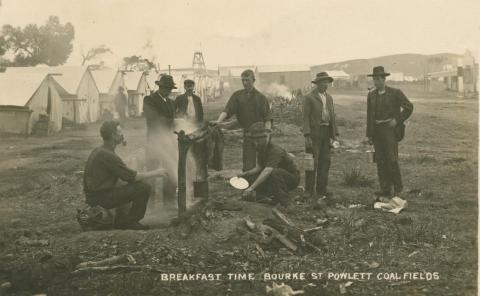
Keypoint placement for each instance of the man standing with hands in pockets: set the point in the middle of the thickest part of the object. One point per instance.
(320, 130)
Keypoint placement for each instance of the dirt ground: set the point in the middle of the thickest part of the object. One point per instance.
(41, 243)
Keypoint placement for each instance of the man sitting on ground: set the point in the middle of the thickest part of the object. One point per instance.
(275, 173)
(102, 171)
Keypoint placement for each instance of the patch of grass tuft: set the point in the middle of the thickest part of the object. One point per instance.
(425, 159)
(354, 177)
(454, 160)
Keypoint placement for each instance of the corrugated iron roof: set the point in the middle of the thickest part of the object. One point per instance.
(237, 71)
(234, 70)
(224, 71)
(283, 68)
(445, 73)
(338, 74)
(16, 90)
(69, 79)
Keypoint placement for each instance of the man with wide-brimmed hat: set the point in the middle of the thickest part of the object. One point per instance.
(275, 173)
(159, 112)
(387, 110)
(320, 130)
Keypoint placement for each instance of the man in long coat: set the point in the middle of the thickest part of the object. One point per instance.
(387, 110)
(159, 112)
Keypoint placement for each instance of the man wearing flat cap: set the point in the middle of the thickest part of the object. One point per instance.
(320, 130)
(249, 106)
(387, 110)
(189, 105)
(275, 173)
(159, 112)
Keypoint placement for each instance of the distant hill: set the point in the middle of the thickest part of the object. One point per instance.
(410, 64)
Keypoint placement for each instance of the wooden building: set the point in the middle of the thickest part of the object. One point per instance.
(461, 78)
(292, 76)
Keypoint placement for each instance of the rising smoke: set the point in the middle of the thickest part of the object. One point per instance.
(277, 90)
(165, 146)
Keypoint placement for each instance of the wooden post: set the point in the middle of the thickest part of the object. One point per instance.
(183, 145)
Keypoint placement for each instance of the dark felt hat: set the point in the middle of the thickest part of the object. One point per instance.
(378, 71)
(322, 76)
(166, 81)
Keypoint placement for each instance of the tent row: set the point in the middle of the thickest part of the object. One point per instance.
(54, 97)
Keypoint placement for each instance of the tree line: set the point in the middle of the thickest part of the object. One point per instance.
(51, 44)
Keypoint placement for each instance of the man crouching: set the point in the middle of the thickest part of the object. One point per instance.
(102, 171)
(275, 173)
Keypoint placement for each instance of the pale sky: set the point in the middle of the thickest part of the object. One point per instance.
(258, 31)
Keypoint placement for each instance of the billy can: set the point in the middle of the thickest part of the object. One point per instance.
(371, 156)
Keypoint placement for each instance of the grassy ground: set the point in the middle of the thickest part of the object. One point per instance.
(41, 243)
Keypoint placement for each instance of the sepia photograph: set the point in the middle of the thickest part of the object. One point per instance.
(239, 148)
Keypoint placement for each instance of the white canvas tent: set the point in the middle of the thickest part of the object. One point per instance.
(23, 98)
(137, 88)
(108, 81)
(151, 78)
(78, 90)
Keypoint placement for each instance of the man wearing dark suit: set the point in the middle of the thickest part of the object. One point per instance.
(320, 129)
(387, 110)
(189, 105)
(159, 112)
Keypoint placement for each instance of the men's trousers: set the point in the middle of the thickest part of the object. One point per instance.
(321, 153)
(249, 153)
(137, 193)
(278, 184)
(386, 157)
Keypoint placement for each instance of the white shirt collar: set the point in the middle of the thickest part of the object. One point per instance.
(323, 96)
(160, 95)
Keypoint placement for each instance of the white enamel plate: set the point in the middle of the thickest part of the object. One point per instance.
(239, 183)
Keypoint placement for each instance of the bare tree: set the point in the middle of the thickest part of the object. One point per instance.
(95, 52)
